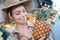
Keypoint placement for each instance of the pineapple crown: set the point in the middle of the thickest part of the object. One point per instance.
(43, 13)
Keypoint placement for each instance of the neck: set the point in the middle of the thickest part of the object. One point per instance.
(21, 25)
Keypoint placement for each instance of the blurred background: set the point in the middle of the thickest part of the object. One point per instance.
(1, 6)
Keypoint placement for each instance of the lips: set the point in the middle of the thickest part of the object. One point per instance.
(22, 19)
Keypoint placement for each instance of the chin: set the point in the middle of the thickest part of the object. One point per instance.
(21, 22)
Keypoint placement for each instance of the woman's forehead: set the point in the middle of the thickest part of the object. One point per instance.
(21, 7)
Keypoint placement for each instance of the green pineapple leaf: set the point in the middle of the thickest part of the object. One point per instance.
(43, 14)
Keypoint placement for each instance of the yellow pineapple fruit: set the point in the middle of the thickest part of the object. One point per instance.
(41, 26)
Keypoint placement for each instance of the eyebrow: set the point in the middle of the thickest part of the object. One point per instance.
(17, 11)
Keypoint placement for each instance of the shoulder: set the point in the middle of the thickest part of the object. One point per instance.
(8, 27)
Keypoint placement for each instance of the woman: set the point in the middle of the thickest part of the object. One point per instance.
(15, 11)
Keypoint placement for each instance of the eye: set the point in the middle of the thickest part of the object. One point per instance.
(17, 13)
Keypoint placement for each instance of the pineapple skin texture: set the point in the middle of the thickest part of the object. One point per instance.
(41, 28)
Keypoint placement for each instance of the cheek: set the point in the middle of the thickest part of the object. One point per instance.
(15, 18)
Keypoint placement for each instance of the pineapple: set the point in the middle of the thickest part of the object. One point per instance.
(41, 26)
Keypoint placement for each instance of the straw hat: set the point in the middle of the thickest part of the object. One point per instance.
(10, 3)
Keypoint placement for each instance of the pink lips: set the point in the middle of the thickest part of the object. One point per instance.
(22, 19)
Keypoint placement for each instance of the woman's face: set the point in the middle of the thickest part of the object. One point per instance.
(19, 14)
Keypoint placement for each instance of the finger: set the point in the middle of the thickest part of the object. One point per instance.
(42, 38)
(48, 39)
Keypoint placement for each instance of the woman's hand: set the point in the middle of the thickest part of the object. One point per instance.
(42, 38)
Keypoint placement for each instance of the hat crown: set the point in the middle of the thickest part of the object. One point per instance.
(12, 2)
